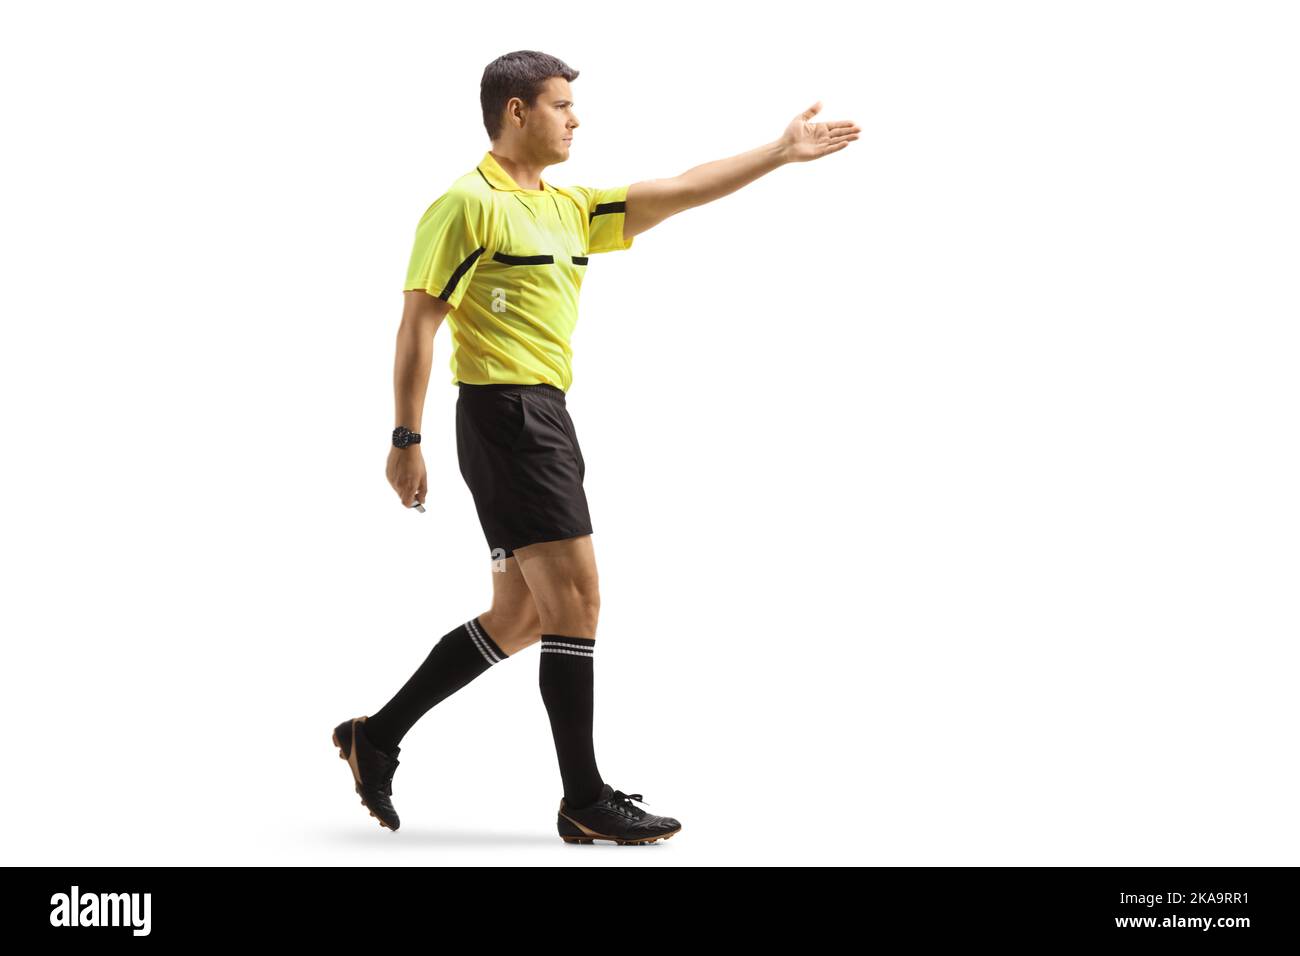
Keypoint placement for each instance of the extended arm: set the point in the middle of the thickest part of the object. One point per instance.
(651, 202)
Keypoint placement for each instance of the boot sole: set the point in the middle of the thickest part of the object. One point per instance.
(587, 835)
(356, 777)
(601, 836)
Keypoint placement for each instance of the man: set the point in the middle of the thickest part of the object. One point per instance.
(501, 255)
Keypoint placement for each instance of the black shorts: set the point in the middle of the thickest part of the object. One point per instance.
(519, 455)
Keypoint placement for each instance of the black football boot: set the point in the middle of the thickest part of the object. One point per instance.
(371, 768)
(613, 817)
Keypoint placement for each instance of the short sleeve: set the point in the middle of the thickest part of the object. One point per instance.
(449, 240)
(605, 215)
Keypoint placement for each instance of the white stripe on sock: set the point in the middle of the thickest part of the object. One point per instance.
(483, 646)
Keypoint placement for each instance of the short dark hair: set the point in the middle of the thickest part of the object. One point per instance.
(520, 74)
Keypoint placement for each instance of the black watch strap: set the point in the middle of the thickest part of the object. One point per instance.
(403, 436)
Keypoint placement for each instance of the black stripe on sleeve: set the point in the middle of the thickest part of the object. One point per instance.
(460, 271)
(608, 207)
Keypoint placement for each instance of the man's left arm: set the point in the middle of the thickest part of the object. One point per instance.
(651, 202)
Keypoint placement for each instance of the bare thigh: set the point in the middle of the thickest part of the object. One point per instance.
(513, 621)
(564, 583)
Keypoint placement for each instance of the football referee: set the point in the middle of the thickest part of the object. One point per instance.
(501, 256)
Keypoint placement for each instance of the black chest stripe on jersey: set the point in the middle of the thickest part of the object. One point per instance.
(522, 260)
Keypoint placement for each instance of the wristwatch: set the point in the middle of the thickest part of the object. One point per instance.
(403, 436)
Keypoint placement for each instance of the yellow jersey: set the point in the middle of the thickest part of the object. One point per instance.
(510, 262)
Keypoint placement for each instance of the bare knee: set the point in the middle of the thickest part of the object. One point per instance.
(513, 629)
(572, 609)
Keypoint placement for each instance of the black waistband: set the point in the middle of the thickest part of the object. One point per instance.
(544, 388)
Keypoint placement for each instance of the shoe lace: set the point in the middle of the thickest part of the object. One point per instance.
(624, 800)
(388, 764)
(386, 776)
(387, 783)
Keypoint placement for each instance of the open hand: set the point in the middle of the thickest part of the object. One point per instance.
(804, 140)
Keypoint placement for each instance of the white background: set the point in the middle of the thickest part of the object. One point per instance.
(943, 488)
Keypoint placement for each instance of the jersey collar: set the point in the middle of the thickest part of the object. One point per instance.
(498, 178)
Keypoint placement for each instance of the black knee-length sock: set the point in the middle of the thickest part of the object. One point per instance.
(459, 657)
(566, 676)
